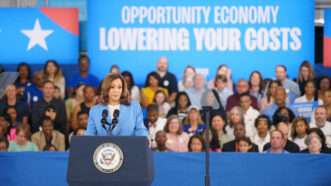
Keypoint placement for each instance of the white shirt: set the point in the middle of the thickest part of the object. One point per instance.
(326, 129)
(260, 142)
(300, 142)
(135, 93)
(152, 130)
(303, 99)
(112, 108)
(249, 119)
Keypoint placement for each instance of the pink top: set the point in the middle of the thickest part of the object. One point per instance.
(177, 143)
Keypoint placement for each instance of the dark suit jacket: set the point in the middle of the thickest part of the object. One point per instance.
(231, 147)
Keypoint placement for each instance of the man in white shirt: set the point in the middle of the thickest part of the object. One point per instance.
(198, 89)
(154, 123)
(250, 114)
(322, 123)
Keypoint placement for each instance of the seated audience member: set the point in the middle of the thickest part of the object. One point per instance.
(22, 142)
(177, 140)
(167, 79)
(48, 136)
(218, 133)
(314, 144)
(222, 90)
(154, 123)
(262, 137)
(323, 84)
(160, 139)
(244, 144)
(299, 132)
(256, 85)
(23, 80)
(250, 114)
(83, 77)
(223, 70)
(11, 99)
(270, 94)
(309, 94)
(196, 144)
(133, 89)
(236, 116)
(34, 92)
(193, 124)
(182, 104)
(211, 103)
(289, 146)
(306, 73)
(85, 106)
(52, 72)
(318, 132)
(288, 84)
(277, 142)
(160, 99)
(322, 123)
(233, 146)
(152, 85)
(4, 144)
(280, 101)
(51, 107)
(13, 123)
(195, 93)
(234, 100)
(187, 81)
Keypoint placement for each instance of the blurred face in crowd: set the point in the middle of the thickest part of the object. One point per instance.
(315, 144)
(11, 92)
(217, 123)
(84, 64)
(245, 102)
(310, 89)
(152, 116)
(199, 82)
(153, 82)
(115, 91)
(162, 64)
(262, 126)
(320, 116)
(242, 86)
(196, 145)
(57, 93)
(47, 127)
(182, 101)
(174, 126)
(220, 84)
(23, 72)
(273, 88)
(38, 79)
(193, 115)
(244, 146)
(327, 98)
(304, 71)
(82, 120)
(89, 94)
(325, 84)
(235, 116)
(51, 68)
(160, 98)
(281, 96)
(255, 79)
(280, 73)
(12, 114)
(188, 81)
(276, 140)
(3, 146)
(48, 90)
(189, 71)
(128, 80)
(284, 128)
(114, 70)
(160, 138)
(224, 70)
(300, 128)
(239, 131)
(21, 138)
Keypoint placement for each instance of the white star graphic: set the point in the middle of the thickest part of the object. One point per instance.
(37, 36)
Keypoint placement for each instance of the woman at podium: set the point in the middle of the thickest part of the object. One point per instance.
(117, 115)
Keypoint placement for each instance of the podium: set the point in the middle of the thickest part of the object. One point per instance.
(110, 160)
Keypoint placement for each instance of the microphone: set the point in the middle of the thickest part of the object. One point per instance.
(104, 116)
(115, 118)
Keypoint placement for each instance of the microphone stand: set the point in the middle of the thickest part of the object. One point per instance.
(207, 154)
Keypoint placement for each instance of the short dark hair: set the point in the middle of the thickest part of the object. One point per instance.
(3, 139)
(200, 138)
(82, 56)
(152, 74)
(262, 118)
(152, 107)
(244, 138)
(44, 119)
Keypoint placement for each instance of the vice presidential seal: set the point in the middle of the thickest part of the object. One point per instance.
(108, 158)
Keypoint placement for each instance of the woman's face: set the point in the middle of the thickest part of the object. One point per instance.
(128, 80)
(315, 145)
(13, 114)
(115, 90)
(304, 72)
(23, 71)
(325, 84)
(273, 88)
(217, 123)
(300, 127)
(262, 126)
(51, 68)
(255, 79)
(174, 126)
(310, 88)
(189, 72)
(193, 115)
(196, 145)
(182, 101)
(159, 98)
(235, 117)
(210, 100)
(153, 82)
(11, 91)
(21, 139)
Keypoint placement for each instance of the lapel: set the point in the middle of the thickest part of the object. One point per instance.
(121, 118)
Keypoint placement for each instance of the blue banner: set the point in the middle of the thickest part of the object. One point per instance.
(246, 35)
(35, 35)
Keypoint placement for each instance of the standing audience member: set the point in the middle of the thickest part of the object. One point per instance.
(24, 79)
(4, 144)
(187, 81)
(277, 143)
(288, 84)
(322, 123)
(193, 124)
(299, 132)
(53, 72)
(154, 123)
(133, 89)
(256, 85)
(152, 85)
(222, 90)
(196, 144)
(250, 114)
(177, 140)
(181, 107)
(262, 137)
(160, 99)
(22, 142)
(306, 73)
(195, 93)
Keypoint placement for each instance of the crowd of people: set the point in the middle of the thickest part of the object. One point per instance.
(41, 111)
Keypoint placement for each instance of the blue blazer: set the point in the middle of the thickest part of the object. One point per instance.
(130, 121)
